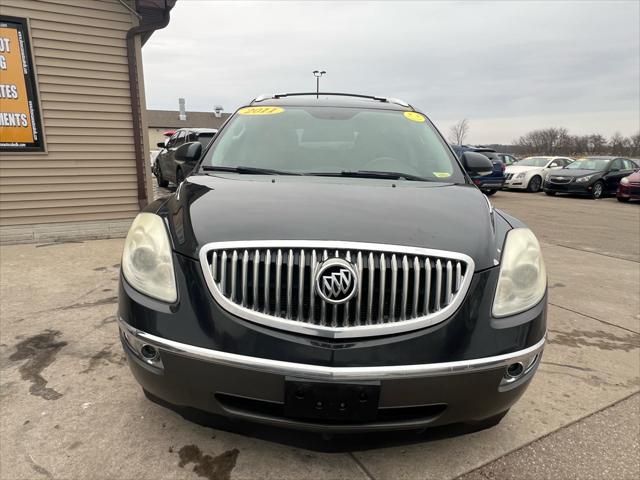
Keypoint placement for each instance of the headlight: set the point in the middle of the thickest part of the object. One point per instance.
(146, 260)
(625, 181)
(523, 277)
(583, 179)
(521, 175)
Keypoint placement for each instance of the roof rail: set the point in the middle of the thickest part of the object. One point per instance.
(397, 101)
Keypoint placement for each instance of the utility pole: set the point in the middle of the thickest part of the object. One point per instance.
(318, 74)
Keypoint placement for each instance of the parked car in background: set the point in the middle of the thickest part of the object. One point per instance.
(593, 176)
(629, 188)
(530, 172)
(507, 159)
(169, 169)
(329, 266)
(489, 184)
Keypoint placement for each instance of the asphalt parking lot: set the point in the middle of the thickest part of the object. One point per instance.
(70, 408)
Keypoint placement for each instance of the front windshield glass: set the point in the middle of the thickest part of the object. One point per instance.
(331, 140)
(589, 164)
(533, 162)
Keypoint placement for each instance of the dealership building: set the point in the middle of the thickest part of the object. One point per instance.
(74, 143)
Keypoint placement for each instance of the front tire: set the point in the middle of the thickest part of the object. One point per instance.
(551, 194)
(534, 184)
(488, 193)
(598, 190)
(162, 183)
(623, 199)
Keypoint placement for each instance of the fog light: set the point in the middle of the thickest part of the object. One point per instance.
(145, 352)
(149, 352)
(515, 370)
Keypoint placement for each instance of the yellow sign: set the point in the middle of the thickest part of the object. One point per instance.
(19, 116)
(414, 116)
(260, 110)
(442, 174)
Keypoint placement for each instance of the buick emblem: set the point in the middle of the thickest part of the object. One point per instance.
(336, 281)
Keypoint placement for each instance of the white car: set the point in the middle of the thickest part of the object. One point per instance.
(529, 173)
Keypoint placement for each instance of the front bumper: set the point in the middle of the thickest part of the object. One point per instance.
(631, 191)
(489, 183)
(212, 361)
(515, 183)
(571, 187)
(252, 388)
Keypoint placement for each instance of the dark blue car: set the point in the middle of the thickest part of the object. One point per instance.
(489, 184)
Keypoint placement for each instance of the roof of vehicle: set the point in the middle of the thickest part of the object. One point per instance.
(199, 130)
(473, 148)
(602, 157)
(332, 99)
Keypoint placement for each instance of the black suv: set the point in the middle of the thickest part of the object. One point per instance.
(489, 184)
(167, 168)
(330, 266)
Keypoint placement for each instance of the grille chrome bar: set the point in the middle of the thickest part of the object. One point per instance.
(405, 287)
(278, 291)
(301, 267)
(399, 288)
(245, 267)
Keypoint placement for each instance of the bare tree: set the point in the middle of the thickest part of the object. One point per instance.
(618, 144)
(550, 141)
(458, 132)
(634, 145)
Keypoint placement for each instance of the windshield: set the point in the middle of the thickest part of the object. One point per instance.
(589, 164)
(333, 140)
(533, 162)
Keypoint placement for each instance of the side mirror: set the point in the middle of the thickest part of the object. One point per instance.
(189, 152)
(162, 144)
(476, 164)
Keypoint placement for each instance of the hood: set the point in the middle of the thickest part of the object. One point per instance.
(567, 172)
(518, 169)
(247, 207)
(634, 177)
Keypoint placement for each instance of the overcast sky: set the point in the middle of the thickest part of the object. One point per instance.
(508, 67)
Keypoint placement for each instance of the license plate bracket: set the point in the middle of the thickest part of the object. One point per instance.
(334, 401)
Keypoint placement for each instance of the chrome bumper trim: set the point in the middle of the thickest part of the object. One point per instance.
(318, 372)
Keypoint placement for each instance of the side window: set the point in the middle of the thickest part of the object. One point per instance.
(629, 165)
(191, 137)
(617, 164)
(180, 139)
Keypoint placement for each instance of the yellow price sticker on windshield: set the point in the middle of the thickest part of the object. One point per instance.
(442, 174)
(414, 116)
(260, 110)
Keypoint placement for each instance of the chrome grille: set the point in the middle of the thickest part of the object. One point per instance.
(560, 180)
(273, 283)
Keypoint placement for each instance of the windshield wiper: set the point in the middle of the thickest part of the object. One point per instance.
(246, 170)
(372, 174)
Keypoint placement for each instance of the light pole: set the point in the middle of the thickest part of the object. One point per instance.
(318, 74)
